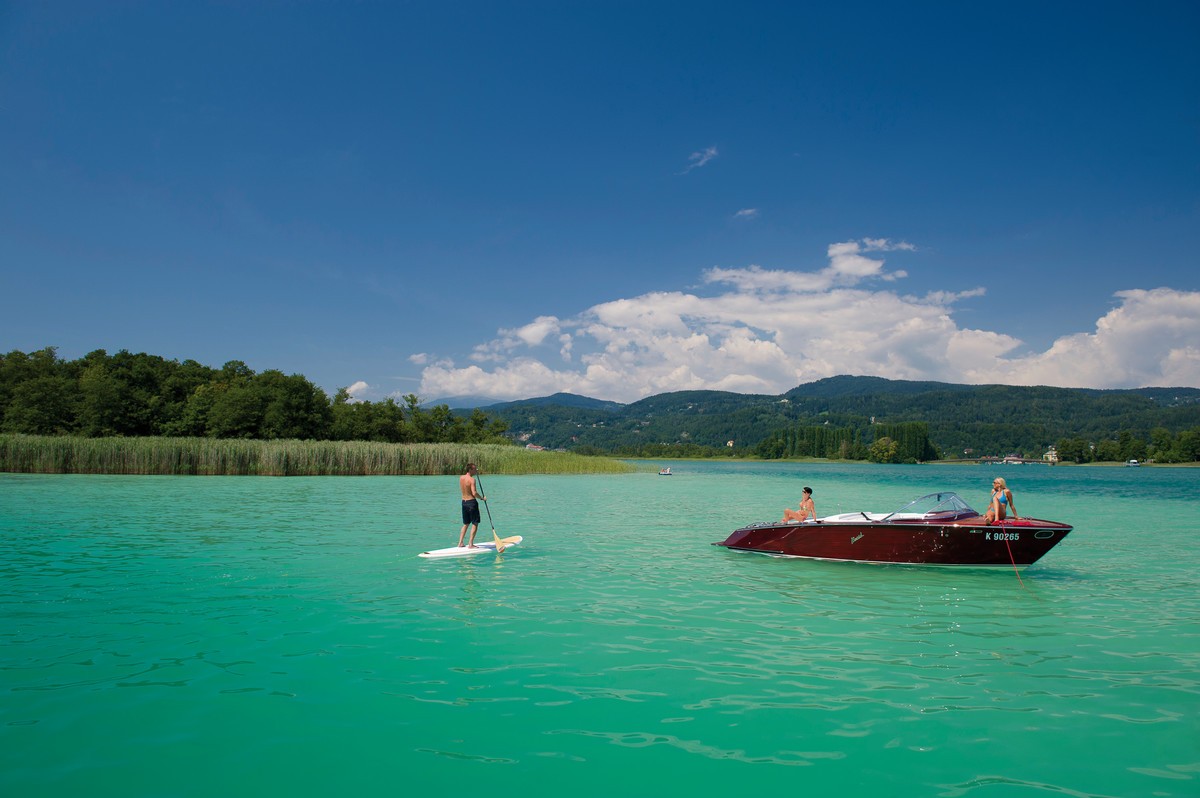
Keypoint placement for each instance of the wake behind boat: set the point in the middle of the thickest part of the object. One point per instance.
(936, 529)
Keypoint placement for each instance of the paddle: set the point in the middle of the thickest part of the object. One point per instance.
(495, 537)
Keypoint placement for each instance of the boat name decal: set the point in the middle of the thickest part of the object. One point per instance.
(857, 537)
(1002, 536)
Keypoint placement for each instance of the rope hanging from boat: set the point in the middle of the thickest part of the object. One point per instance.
(1014, 562)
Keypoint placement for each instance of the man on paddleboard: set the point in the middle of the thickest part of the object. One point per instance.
(470, 505)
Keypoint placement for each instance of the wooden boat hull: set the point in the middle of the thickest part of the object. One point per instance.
(965, 542)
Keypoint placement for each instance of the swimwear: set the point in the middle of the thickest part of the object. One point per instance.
(470, 512)
(1003, 498)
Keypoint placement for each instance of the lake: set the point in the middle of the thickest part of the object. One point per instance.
(195, 636)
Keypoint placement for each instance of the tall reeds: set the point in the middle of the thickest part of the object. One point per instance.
(215, 456)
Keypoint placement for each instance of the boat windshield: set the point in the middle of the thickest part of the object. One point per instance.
(934, 505)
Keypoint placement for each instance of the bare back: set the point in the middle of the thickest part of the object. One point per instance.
(467, 484)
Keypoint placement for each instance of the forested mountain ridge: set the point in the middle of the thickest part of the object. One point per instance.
(963, 420)
(560, 400)
(847, 385)
(146, 395)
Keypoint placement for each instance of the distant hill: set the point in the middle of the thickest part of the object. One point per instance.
(458, 402)
(986, 419)
(846, 385)
(559, 400)
(698, 402)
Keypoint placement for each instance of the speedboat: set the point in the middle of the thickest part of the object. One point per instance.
(936, 529)
(664, 472)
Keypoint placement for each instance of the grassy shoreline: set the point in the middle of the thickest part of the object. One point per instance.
(35, 454)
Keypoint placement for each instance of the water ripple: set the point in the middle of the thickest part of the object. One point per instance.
(142, 614)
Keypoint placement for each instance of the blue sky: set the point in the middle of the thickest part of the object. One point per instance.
(610, 198)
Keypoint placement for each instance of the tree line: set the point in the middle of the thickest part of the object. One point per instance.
(910, 443)
(1163, 447)
(904, 442)
(997, 420)
(124, 394)
(963, 421)
(102, 395)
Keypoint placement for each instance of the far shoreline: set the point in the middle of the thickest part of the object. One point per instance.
(964, 463)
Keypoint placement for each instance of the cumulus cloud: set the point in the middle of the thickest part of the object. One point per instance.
(698, 159)
(357, 390)
(848, 264)
(538, 330)
(1152, 338)
(532, 334)
(756, 330)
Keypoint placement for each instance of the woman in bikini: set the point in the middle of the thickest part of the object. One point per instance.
(1000, 503)
(807, 510)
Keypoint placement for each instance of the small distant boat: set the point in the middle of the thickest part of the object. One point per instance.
(664, 472)
(1132, 464)
(936, 529)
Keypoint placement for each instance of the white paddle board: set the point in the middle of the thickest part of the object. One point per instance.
(466, 551)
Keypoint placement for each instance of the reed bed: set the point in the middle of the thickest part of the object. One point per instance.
(36, 454)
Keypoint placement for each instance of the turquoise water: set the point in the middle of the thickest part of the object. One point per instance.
(188, 636)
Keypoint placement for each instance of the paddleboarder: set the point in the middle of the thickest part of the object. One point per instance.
(470, 505)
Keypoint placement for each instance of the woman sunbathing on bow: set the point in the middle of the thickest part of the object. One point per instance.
(807, 510)
(1000, 503)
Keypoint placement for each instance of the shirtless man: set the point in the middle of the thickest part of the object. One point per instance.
(470, 505)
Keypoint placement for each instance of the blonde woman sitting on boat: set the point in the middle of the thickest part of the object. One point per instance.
(1000, 503)
(807, 510)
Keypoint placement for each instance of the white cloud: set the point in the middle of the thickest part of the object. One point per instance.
(535, 332)
(520, 377)
(529, 335)
(357, 390)
(1151, 339)
(746, 213)
(698, 159)
(886, 245)
(766, 331)
(756, 278)
(419, 359)
(846, 261)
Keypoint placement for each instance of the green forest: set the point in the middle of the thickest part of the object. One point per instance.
(843, 417)
(136, 395)
(880, 443)
(852, 418)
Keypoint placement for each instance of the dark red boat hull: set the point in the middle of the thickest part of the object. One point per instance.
(968, 542)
